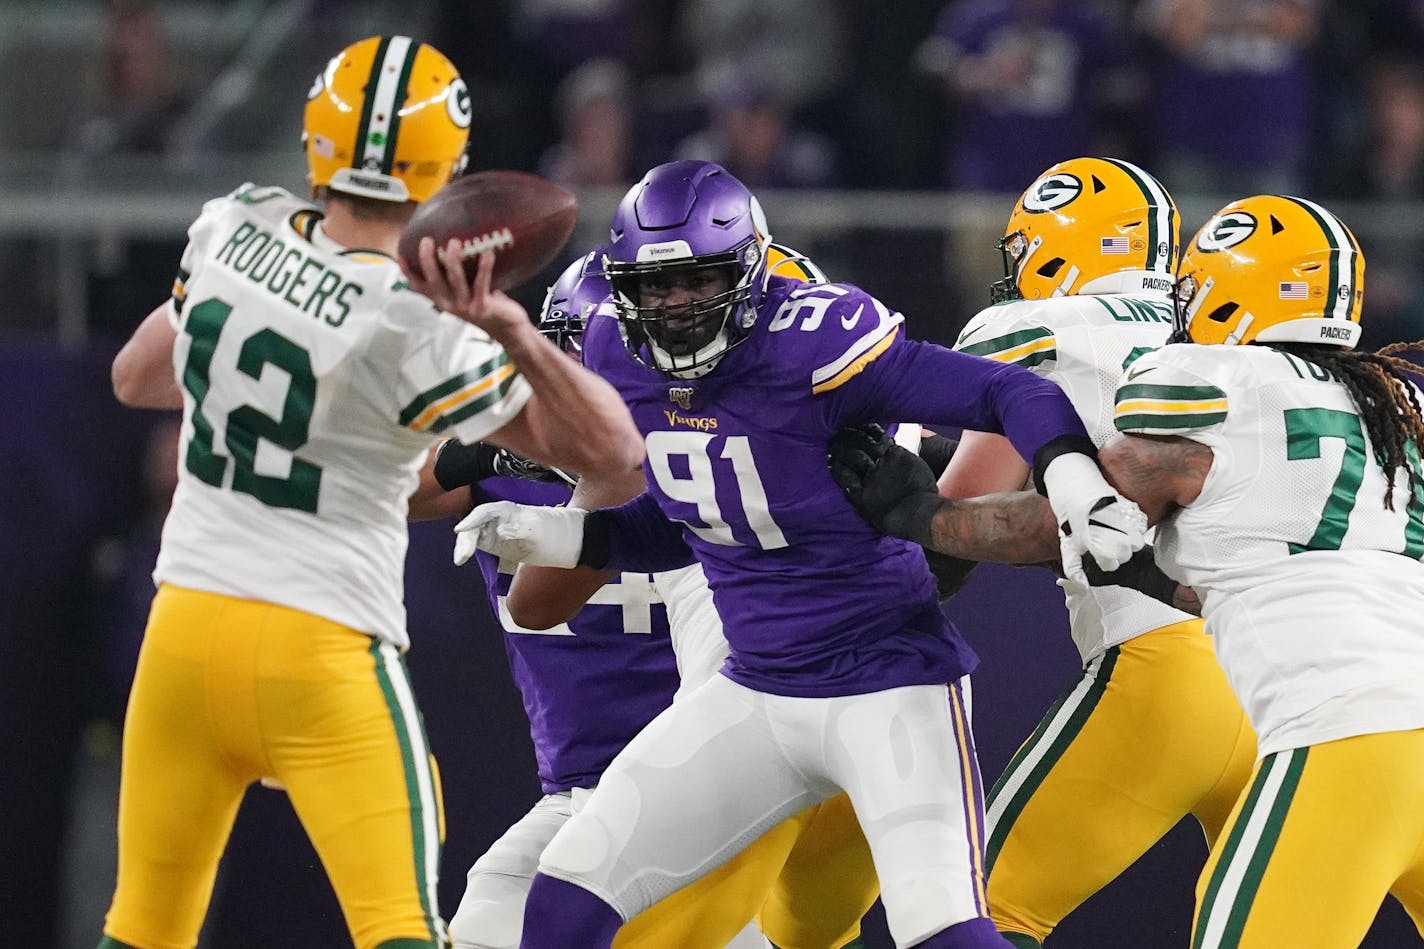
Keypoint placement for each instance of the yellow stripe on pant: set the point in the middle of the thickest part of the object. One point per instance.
(228, 691)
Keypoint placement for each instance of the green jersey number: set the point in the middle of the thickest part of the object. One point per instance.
(246, 425)
(1305, 429)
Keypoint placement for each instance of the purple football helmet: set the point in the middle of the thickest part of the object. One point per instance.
(571, 301)
(689, 223)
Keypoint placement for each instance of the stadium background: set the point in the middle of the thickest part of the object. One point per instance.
(118, 120)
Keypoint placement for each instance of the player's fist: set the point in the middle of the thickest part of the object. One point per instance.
(1102, 523)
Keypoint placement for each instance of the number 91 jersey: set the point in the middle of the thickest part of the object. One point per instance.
(313, 383)
(1311, 587)
(814, 602)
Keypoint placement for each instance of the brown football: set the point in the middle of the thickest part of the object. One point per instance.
(524, 219)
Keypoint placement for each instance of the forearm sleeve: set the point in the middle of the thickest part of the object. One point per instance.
(635, 537)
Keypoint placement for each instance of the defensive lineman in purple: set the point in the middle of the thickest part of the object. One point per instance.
(843, 674)
(588, 687)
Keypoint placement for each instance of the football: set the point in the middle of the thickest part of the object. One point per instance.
(524, 219)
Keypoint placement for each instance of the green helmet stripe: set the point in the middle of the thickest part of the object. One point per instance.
(402, 93)
(385, 94)
(358, 150)
(1343, 253)
(1159, 223)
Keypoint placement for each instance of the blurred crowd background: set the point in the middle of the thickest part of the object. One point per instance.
(886, 139)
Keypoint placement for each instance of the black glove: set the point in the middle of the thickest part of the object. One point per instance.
(937, 450)
(1140, 573)
(890, 486)
(459, 465)
(951, 573)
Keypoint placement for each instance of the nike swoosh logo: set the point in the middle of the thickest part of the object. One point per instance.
(849, 323)
(964, 337)
(1134, 373)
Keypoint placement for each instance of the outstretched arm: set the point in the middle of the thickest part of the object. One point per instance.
(541, 597)
(895, 491)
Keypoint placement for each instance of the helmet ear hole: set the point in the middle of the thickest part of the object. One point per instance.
(1223, 313)
(1050, 268)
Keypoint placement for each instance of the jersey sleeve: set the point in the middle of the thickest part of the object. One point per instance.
(1164, 393)
(457, 382)
(876, 374)
(1001, 334)
(641, 538)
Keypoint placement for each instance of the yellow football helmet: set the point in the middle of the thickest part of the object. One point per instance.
(1089, 225)
(388, 119)
(1273, 269)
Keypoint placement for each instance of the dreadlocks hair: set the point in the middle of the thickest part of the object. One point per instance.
(1387, 401)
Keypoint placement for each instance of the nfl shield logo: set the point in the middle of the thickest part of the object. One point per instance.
(682, 395)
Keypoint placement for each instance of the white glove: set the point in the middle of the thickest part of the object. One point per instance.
(527, 533)
(1083, 609)
(1102, 522)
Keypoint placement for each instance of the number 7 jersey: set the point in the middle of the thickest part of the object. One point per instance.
(1312, 589)
(313, 383)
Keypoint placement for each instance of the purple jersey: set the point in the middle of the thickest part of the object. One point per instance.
(814, 601)
(591, 684)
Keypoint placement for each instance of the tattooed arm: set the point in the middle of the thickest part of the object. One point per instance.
(894, 490)
(1014, 527)
(1161, 473)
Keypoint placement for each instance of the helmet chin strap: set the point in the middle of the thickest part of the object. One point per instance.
(1066, 284)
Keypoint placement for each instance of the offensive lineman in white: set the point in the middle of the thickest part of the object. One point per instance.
(312, 381)
(1286, 475)
(1089, 251)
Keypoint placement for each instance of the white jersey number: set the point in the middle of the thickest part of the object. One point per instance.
(246, 425)
(699, 487)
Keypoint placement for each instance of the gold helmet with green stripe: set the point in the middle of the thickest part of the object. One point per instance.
(1089, 225)
(388, 118)
(1271, 269)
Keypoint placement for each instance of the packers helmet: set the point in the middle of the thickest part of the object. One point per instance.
(1271, 269)
(1089, 225)
(388, 118)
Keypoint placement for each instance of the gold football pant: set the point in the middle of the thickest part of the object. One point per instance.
(811, 876)
(1312, 847)
(1149, 733)
(229, 691)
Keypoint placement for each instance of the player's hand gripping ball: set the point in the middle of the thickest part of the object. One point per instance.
(523, 218)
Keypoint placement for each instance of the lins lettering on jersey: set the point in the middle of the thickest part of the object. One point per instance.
(1290, 515)
(313, 381)
(1084, 344)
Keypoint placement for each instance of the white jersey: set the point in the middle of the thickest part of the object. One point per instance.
(313, 382)
(1083, 343)
(1313, 591)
